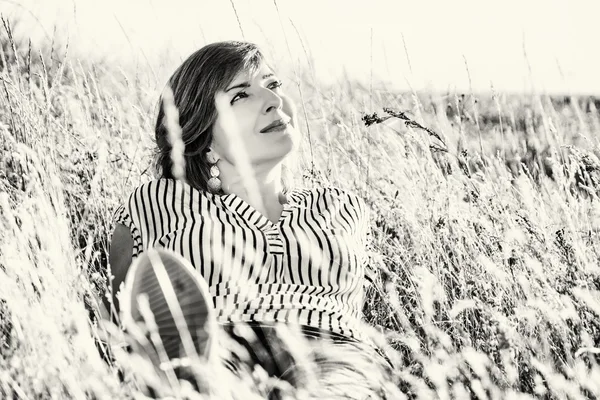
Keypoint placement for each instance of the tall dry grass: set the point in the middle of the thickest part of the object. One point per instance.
(485, 257)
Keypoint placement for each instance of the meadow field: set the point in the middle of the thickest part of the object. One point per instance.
(485, 225)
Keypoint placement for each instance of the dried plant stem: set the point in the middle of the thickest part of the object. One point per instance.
(171, 121)
(299, 84)
(370, 119)
(238, 19)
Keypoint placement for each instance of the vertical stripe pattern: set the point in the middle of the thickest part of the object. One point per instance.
(307, 268)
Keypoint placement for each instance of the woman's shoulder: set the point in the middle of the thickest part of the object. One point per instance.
(344, 195)
(153, 183)
(159, 196)
(157, 191)
(160, 185)
(331, 195)
(144, 188)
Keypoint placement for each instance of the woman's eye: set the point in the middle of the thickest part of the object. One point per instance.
(238, 96)
(275, 85)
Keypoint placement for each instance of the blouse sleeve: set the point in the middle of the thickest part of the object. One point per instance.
(365, 239)
(122, 216)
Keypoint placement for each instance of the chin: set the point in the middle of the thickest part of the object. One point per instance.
(293, 143)
(286, 150)
(294, 138)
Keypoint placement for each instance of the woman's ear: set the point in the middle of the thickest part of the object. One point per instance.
(212, 156)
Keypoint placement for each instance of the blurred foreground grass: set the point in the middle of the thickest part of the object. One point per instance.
(487, 256)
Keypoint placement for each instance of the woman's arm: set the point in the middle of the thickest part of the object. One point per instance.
(120, 257)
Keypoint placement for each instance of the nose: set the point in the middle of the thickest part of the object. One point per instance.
(272, 101)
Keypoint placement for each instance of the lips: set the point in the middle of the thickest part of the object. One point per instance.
(275, 126)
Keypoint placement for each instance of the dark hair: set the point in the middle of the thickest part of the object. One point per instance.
(194, 84)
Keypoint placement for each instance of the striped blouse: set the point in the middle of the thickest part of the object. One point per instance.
(308, 268)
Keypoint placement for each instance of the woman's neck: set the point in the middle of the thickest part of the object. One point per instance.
(262, 189)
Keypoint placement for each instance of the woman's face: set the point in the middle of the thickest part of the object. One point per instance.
(253, 115)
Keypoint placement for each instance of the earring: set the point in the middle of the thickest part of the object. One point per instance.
(214, 183)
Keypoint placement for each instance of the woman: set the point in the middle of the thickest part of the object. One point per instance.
(266, 253)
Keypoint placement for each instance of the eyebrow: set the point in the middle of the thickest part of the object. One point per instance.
(247, 84)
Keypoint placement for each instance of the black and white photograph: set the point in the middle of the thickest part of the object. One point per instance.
(299, 199)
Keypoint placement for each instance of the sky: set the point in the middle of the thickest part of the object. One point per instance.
(511, 45)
